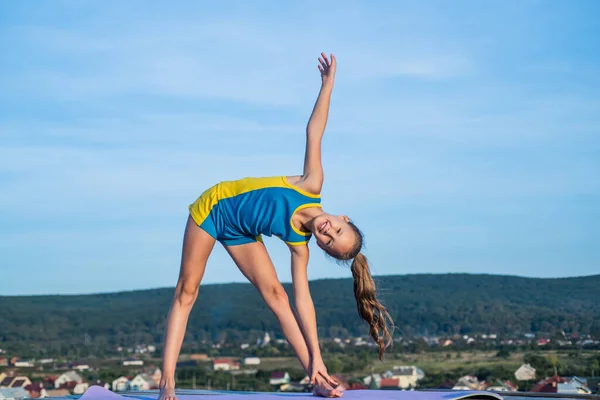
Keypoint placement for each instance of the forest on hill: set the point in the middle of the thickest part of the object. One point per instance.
(421, 304)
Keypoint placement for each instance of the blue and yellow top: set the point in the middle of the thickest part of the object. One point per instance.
(240, 211)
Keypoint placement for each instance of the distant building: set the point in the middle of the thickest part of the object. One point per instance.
(3, 362)
(66, 378)
(80, 367)
(131, 362)
(120, 384)
(500, 386)
(267, 339)
(557, 384)
(80, 388)
(408, 376)
(155, 373)
(251, 361)
(143, 382)
(468, 382)
(36, 390)
(279, 378)
(199, 357)
(225, 364)
(14, 382)
(388, 383)
(525, 373)
(23, 364)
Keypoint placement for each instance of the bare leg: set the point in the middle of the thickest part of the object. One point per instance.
(197, 246)
(256, 265)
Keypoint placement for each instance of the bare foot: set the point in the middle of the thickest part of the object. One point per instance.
(324, 389)
(167, 393)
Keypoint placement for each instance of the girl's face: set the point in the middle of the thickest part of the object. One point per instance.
(333, 233)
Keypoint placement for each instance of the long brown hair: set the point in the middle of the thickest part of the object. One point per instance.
(365, 293)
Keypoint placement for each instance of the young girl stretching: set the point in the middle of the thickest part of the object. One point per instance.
(237, 213)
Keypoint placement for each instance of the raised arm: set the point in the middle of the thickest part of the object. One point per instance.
(313, 168)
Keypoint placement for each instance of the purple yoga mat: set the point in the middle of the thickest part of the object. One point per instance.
(99, 393)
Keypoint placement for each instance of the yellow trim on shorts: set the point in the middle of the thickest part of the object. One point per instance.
(201, 208)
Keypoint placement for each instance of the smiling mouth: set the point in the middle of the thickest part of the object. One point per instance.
(322, 227)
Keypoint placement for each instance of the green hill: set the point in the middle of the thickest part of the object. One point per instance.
(420, 304)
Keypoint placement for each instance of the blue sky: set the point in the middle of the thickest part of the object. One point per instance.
(463, 136)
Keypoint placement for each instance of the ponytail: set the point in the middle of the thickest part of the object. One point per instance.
(369, 308)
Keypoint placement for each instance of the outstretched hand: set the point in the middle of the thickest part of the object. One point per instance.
(327, 68)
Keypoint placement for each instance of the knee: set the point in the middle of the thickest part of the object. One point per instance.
(275, 296)
(186, 294)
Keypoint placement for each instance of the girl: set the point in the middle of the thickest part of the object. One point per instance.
(237, 213)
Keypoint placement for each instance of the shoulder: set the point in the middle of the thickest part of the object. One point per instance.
(306, 183)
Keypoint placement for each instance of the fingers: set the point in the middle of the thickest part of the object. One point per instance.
(323, 389)
(329, 379)
(323, 64)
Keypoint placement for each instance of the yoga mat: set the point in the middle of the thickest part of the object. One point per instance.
(99, 393)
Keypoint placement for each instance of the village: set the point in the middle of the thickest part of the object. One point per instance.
(50, 377)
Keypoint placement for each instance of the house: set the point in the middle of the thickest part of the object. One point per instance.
(3, 362)
(13, 393)
(67, 377)
(549, 385)
(80, 388)
(225, 364)
(305, 380)
(143, 382)
(469, 382)
(23, 364)
(279, 378)
(80, 367)
(525, 373)
(36, 390)
(199, 357)
(3, 380)
(121, 384)
(251, 361)
(389, 383)
(155, 374)
(20, 381)
(131, 362)
(500, 386)
(14, 381)
(575, 385)
(48, 381)
(408, 376)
